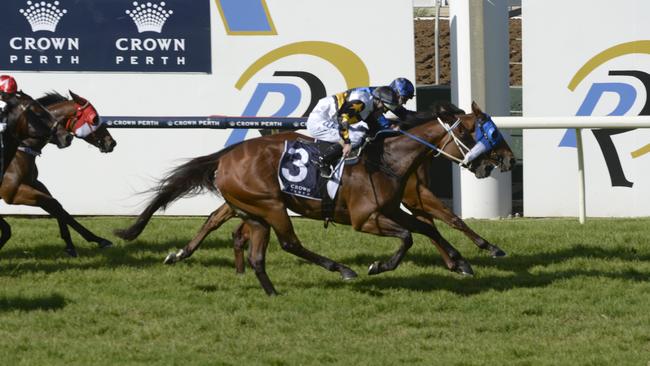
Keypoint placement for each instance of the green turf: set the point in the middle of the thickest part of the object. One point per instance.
(567, 294)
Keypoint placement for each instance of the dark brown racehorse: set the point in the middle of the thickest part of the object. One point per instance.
(20, 184)
(422, 203)
(369, 198)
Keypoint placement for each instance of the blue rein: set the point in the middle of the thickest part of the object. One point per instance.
(411, 136)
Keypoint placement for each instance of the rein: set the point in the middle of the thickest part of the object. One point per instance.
(29, 106)
(439, 151)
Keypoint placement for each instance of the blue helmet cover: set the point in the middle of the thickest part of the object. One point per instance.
(487, 133)
(403, 87)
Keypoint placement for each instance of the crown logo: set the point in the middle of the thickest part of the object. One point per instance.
(149, 17)
(42, 15)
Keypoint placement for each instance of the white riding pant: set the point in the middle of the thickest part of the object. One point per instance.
(322, 124)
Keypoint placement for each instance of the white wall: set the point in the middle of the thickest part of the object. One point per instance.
(601, 37)
(87, 182)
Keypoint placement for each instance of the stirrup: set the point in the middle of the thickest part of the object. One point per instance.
(326, 172)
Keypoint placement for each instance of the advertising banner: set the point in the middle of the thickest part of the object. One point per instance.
(589, 63)
(105, 35)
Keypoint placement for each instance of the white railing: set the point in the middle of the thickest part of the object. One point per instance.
(577, 123)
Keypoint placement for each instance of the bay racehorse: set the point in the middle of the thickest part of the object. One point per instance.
(419, 199)
(369, 198)
(20, 184)
(28, 123)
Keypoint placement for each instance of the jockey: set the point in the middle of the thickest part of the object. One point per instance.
(342, 119)
(8, 87)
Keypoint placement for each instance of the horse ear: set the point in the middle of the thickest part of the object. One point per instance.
(476, 109)
(74, 96)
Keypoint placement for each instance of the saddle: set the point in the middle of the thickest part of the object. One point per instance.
(299, 173)
(351, 159)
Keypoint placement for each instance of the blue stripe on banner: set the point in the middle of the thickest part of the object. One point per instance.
(246, 15)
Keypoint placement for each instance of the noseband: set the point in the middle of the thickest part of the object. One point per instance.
(81, 123)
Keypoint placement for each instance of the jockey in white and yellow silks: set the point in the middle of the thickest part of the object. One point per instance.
(343, 119)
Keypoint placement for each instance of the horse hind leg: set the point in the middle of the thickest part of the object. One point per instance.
(5, 230)
(214, 221)
(290, 243)
(259, 237)
(240, 237)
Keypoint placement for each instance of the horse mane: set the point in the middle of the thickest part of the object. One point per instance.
(51, 98)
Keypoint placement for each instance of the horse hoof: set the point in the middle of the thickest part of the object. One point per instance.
(170, 259)
(374, 269)
(464, 269)
(348, 274)
(105, 244)
(497, 253)
(71, 252)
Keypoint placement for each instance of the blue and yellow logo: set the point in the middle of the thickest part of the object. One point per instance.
(252, 17)
(627, 94)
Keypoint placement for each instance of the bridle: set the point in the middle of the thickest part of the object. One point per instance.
(28, 107)
(451, 136)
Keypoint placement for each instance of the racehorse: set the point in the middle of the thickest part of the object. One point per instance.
(20, 184)
(369, 198)
(420, 201)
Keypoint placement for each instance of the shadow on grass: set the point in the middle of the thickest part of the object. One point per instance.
(52, 302)
(519, 266)
(517, 262)
(474, 286)
(138, 254)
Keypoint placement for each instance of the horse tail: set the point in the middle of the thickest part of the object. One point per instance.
(189, 179)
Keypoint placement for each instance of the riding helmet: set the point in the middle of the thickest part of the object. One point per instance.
(403, 88)
(8, 84)
(387, 96)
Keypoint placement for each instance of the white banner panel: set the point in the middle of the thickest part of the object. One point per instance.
(591, 58)
(268, 58)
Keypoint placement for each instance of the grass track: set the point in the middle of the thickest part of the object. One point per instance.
(567, 294)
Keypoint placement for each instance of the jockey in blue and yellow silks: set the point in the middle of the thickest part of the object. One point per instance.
(342, 119)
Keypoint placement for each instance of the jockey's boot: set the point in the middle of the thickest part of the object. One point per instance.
(329, 155)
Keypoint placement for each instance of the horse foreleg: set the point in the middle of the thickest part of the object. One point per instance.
(259, 236)
(240, 236)
(214, 221)
(453, 259)
(64, 220)
(381, 225)
(424, 204)
(448, 217)
(30, 196)
(6, 232)
(289, 242)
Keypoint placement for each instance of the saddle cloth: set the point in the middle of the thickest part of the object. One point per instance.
(300, 176)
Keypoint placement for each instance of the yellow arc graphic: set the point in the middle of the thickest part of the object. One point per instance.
(606, 55)
(352, 68)
(642, 151)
